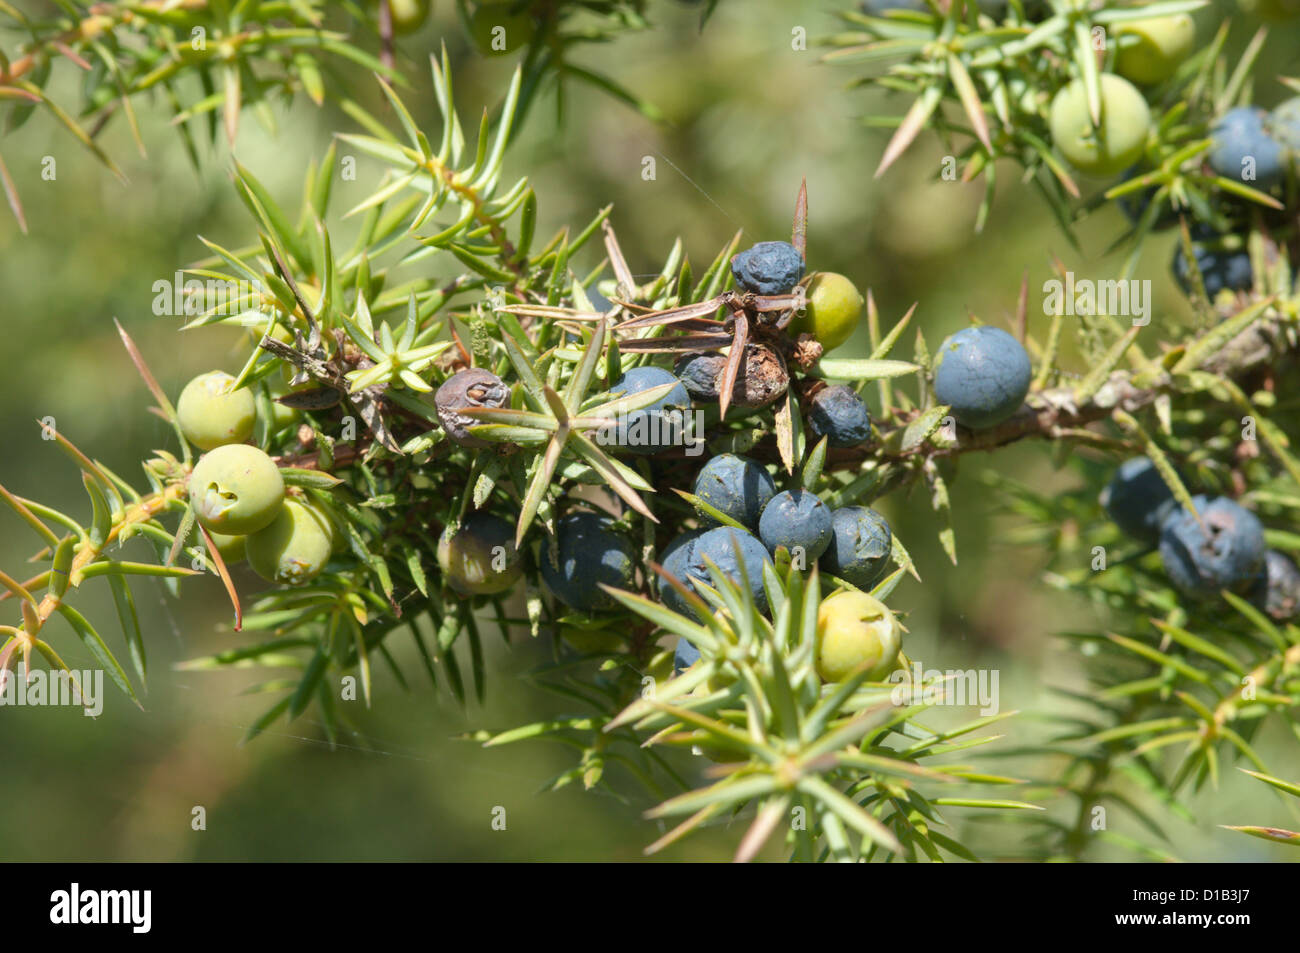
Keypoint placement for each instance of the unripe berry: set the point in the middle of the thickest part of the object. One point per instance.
(1162, 45)
(1228, 553)
(591, 552)
(983, 374)
(854, 630)
(1122, 136)
(831, 314)
(408, 15)
(212, 415)
(294, 547)
(1274, 11)
(799, 521)
(231, 548)
(480, 557)
(236, 489)
(498, 29)
(737, 486)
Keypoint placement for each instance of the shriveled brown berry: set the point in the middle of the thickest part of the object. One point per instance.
(472, 387)
(763, 377)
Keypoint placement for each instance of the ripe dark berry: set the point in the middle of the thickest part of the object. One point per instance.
(840, 415)
(1278, 590)
(1135, 204)
(1138, 500)
(1227, 554)
(658, 426)
(294, 547)
(983, 374)
(799, 521)
(236, 490)
(768, 268)
(854, 630)
(684, 656)
(212, 415)
(472, 387)
(480, 557)
(1244, 149)
(699, 373)
(685, 559)
(674, 558)
(1222, 268)
(591, 551)
(860, 547)
(737, 486)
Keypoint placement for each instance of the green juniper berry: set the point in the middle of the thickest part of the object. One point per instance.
(236, 489)
(479, 557)
(212, 415)
(294, 547)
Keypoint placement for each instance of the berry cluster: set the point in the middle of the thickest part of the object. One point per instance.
(1219, 545)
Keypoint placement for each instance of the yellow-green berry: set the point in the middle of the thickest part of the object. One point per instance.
(831, 314)
(236, 490)
(294, 547)
(212, 414)
(855, 630)
(231, 548)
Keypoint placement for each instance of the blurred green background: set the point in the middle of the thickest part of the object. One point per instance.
(747, 117)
